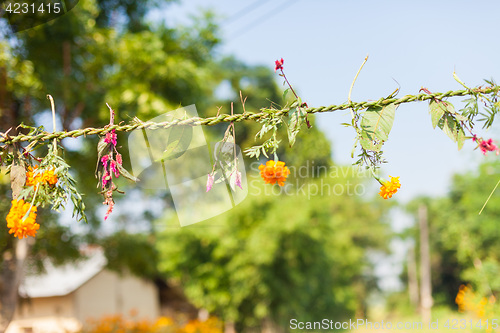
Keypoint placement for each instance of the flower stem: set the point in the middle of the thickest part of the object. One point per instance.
(53, 120)
(353, 81)
(289, 85)
(111, 115)
(455, 76)
(489, 197)
(32, 203)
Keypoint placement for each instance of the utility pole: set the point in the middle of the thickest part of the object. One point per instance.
(412, 276)
(425, 266)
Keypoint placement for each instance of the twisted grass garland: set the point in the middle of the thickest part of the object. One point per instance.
(210, 121)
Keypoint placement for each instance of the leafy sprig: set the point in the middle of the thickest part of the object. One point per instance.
(41, 192)
(297, 116)
(57, 195)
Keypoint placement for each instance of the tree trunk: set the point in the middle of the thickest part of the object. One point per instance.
(3, 92)
(10, 278)
(425, 266)
(412, 277)
(13, 260)
(15, 252)
(229, 327)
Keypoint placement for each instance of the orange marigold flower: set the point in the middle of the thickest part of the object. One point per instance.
(44, 177)
(274, 172)
(19, 227)
(388, 188)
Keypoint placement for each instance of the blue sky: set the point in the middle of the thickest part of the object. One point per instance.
(418, 44)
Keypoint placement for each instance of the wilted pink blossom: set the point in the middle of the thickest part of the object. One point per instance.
(114, 168)
(111, 137)
(210, 182)
(106, 178)
(237, 182)
(109, 211)
(110, 202)
(104, 161)
(119, 158)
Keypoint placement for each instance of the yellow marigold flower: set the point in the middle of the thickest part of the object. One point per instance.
(15, 222)
(274, 172)
(388, 188)
(163, 322)
(45, 177)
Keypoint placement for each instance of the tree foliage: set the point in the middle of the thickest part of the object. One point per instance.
(464, 244)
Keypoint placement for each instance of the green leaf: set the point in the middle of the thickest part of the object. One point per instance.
(444, 116)
(459, 117)
(376, 124)
(449, 126)
(285, 92)
(126, 174)
(296, 118)
(370, 142)
(169, 151)
(437, 111)
(224, 149)
(179, 140)
(461, 138)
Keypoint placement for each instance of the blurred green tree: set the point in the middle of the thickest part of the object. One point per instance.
(464, 245)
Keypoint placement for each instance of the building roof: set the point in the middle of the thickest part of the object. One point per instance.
(62, 280)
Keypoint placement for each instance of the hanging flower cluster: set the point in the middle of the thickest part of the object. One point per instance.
(33, 178)
(389, 188)
(22, 215)
(47, 183)
(21, 219)
(109, 164)
(226, 159)
(274, 172)
(110, 168)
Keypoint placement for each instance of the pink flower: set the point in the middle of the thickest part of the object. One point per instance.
(278, 64)
(119, 158)
(105, 178)
(237, 182)
(104, 161)
(109, 211)
(111, 137)
(488, 146)
(114, 169)
(110, 202)
(210, 182)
